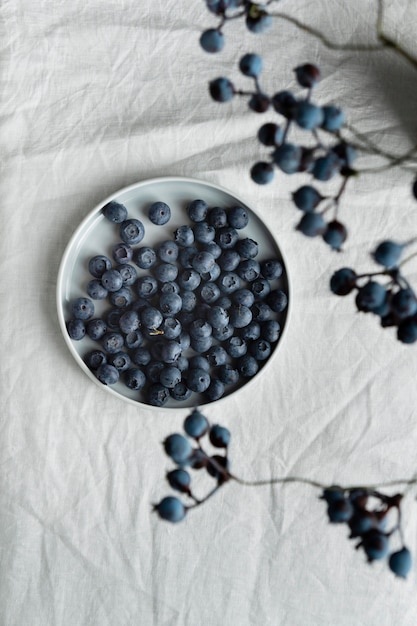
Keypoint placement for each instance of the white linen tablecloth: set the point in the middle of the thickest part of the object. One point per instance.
(97, 95)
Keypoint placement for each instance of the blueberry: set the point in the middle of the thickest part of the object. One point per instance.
(170, 304)
(252, 331)
(228, 282)
(212, 40)
(215, 390)
(243, 296)
(94, 359)
(229, 260)
(287, 157)
(189, 300)
(284, 103)
(132, 231)
(201, 344)
(270, 134)
(251, 65)
(171, 328)
(112, 342)
(184, 236)
(370, 296)
(197, 380)
(170, 376)
(146, 286)
(171, 351)
(107, 374)
(228, 374)
(236, 347)
(262, 173)
(217, 217)
(277, 300)
(240, 315)
(96, 290)
(307, 198)
(221, 89)
(196, 424)
(334, 118)
(121, 361)
(197, 210)
(204, 232)
(134, 378)
(247, 248)
(271, 269)
(145, 257)
(213, 274)
(261, 311)
(326, 167)
(238, 217)
(260, 288)
(248, 270)
(113, 319)
(270, 330)
(180, 480)
(112, 280)
(375, 545)
(129, 321)
(121, 298)
(128, 274)
(171, 509)
(96, 329)
(166, 272)
(221, 334)
(388, 253)
(178, 448)
(209, 292)
(82, 308)
(76, 329)
(401, 562)
(217, 317)
(189, 280)
(115, 212)
(181, 392)
(212, 247)
(335, 234)
(141, 356)
(260, 349)
(98, 265)
(226, 237)
(151, 318)
(247, 366)
(159, 213)
(158, 395)
(122, 253)
(308, 115)
(343, 281)
(134, 340)
(219, 436)
(312, 224)
(308, 75)
(217, 355)
(168, 251)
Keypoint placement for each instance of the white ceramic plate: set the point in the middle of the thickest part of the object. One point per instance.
(96, 235)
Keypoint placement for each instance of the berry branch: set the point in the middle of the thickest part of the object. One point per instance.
(366, 510)
(330, 152)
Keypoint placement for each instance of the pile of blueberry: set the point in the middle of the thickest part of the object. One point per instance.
(186, 451)
(393, 301)
(366, 512)
(195, 314)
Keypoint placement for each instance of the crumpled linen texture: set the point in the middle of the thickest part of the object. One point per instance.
(100, 94)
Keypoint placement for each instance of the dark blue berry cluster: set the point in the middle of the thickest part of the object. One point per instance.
(393, 301)
(255, 15)
(195, 314)
(367, 514)
(323, 157)
(186, 451)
